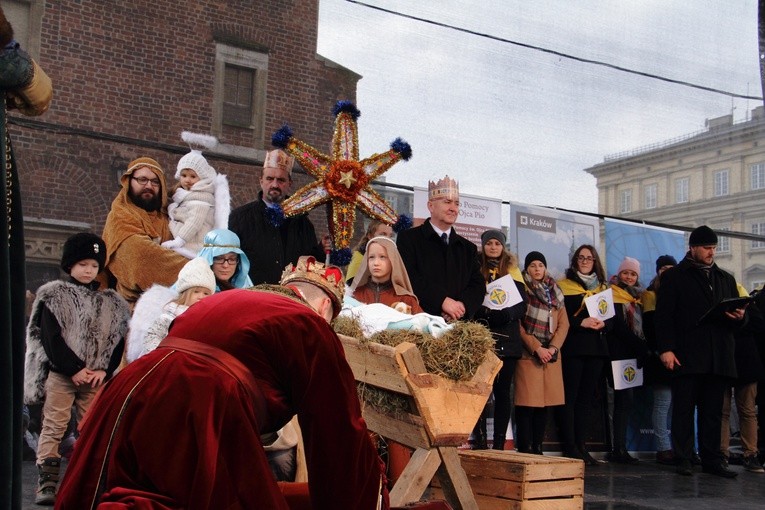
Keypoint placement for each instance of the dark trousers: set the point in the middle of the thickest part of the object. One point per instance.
(530, 425)
(502, 397)
(580, 379)
(706, 392)
(623, 400)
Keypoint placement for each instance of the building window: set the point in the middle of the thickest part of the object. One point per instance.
(723, 242)
(758, 229)
(651, 196)
(721, 183)
(238, 86)
(758, 176)
(240, 91)
(625, 204)
(681, 190)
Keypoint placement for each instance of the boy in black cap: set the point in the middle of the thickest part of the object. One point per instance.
(75, 340)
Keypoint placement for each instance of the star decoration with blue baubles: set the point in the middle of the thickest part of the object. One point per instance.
(342, 180)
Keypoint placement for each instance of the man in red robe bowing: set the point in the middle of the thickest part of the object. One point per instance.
(181, 426)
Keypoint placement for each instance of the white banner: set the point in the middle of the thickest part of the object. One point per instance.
(477, 214)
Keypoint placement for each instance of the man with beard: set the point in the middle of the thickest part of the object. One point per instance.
(270, 240)
(700, 353)
(136, 226)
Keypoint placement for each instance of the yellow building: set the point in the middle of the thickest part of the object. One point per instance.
(714, 177)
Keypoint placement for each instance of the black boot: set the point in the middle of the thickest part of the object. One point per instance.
(478, 441)
(619, 451)
(499, 443)
(48, 479)
(588, 459)
(536, 448)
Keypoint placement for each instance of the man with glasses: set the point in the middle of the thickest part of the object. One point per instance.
(270, 240)
(136, 226)
(442, 265)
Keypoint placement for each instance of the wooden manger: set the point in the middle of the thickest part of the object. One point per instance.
(441, 417)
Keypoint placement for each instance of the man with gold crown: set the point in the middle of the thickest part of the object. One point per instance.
(181, 427)
(442, 265)
(269, 239)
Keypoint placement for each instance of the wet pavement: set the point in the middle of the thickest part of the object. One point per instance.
(643, 486)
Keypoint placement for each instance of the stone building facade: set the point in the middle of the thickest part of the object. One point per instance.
(129, 77)
(715, 177)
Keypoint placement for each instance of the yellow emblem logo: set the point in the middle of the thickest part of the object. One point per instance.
(498, 296)
(629, 373)
(602, 306)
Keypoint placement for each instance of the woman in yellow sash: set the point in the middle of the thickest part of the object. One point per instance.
(626, 341)
(584, 353)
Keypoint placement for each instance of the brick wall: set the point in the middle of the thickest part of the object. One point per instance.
(130, 76)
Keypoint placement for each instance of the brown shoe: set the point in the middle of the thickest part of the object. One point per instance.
(666, 457)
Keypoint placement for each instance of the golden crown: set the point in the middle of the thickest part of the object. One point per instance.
(279, 159)
(444, 188)
(328, 278)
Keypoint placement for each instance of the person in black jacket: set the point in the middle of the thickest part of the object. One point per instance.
(270, 240)
(700, 354)
(504, 323)
(443, 265)
(585, 352)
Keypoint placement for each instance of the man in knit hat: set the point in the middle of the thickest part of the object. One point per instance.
(442, 265)
(699, 354)
(270, 240)
(136, 226)
(182, 426)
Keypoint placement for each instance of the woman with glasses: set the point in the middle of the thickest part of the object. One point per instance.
(221, 249)
(585, 352)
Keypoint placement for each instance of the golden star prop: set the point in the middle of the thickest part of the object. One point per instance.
(341, 179)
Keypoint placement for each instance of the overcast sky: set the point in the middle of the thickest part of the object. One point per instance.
(519, 124)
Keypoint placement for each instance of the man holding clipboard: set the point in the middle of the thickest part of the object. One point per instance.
(699, 353)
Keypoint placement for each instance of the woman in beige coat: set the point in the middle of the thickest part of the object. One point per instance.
(538, 374)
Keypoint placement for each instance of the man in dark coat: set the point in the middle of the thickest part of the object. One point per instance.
(700, 353)
(442, 265)
(270, 240)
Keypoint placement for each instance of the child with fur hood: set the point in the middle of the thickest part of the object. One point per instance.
(75, 340)
(201, 201)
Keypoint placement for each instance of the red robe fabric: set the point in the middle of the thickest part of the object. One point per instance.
(186, 433)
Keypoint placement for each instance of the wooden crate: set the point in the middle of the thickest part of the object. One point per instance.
(503, 480)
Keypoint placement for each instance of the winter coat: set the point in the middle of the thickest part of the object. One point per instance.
(684, 296)
(537, 384)
(92, 325)
(654, 371)
(269, 248)
(195, 212)
(438, 271)
(584, 342)
(504, 325)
